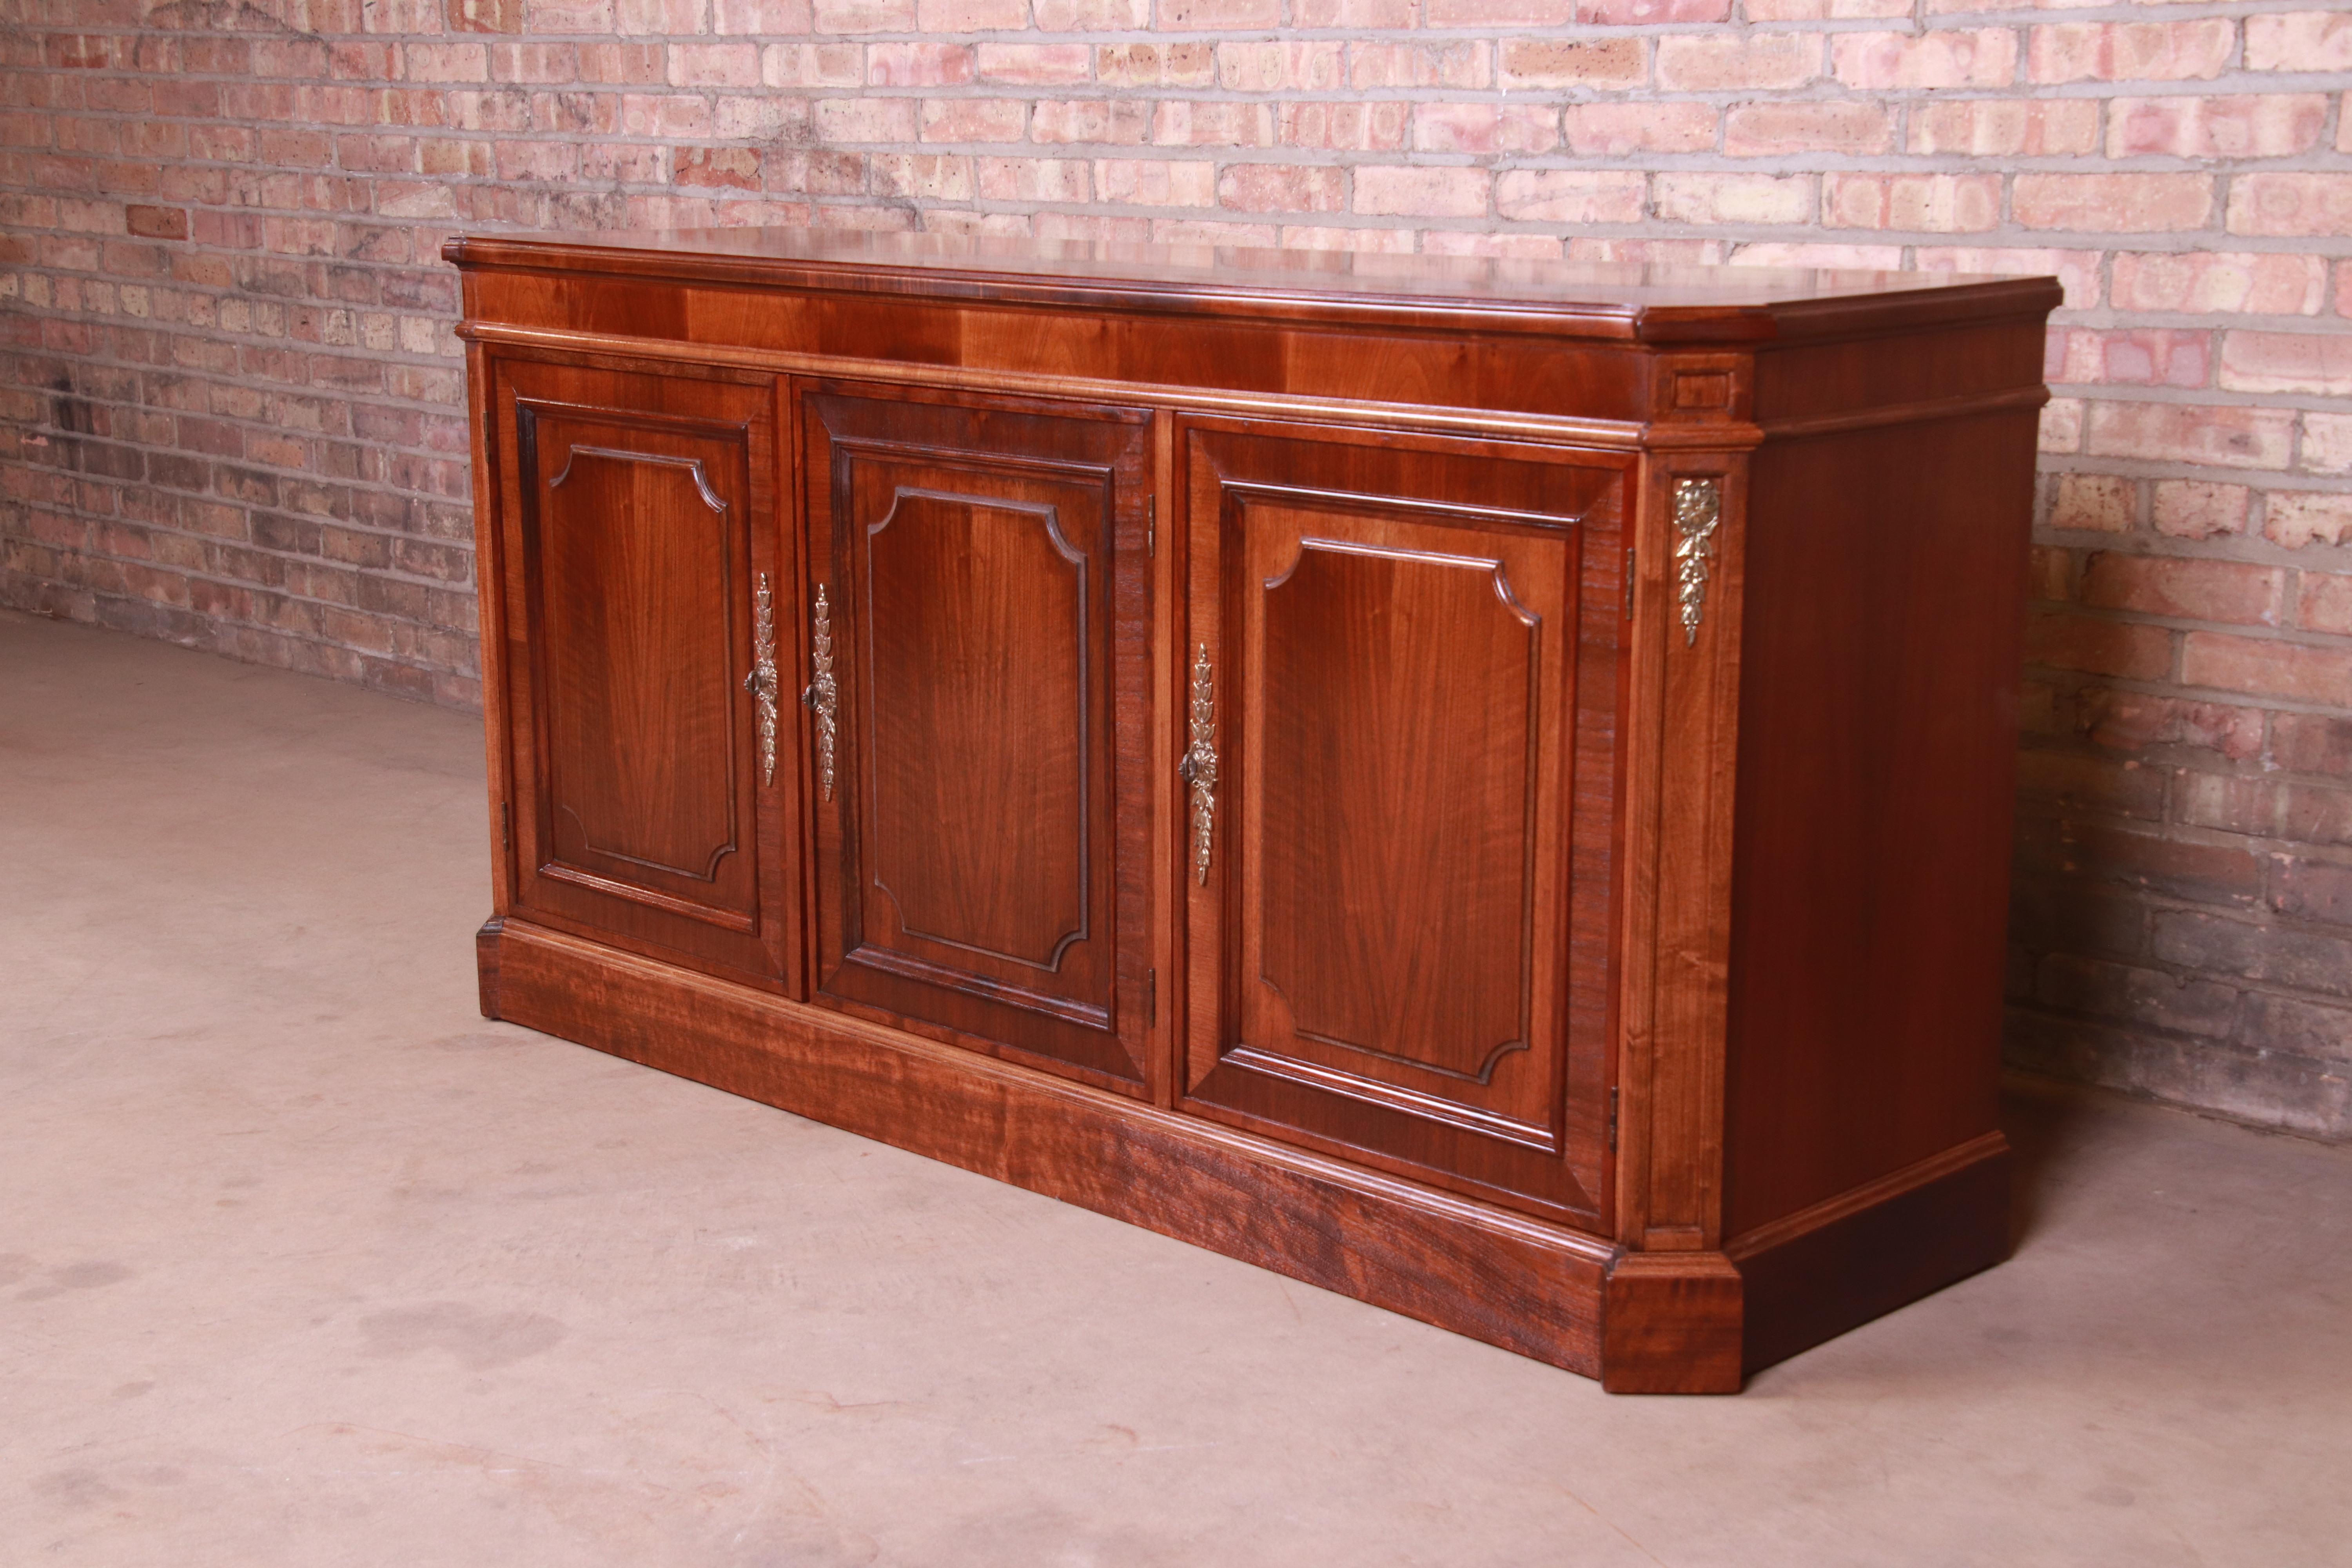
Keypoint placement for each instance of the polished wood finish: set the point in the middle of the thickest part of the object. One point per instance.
(1481, 786)
(636, 512)
(1401, 947)
(981, 860)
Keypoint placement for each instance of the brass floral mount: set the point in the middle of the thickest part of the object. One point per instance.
(1698, 511)
(761, 682)
(1199, 767)
(824, 694)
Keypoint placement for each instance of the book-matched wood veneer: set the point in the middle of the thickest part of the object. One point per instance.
(1479, 785)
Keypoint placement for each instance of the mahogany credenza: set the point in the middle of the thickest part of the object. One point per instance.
(1481, 786)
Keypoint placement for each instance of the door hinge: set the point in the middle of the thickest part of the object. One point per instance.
(506, 825)
(1629, 582)
(1152, 525)
(1612, 1121)
(1150, 997)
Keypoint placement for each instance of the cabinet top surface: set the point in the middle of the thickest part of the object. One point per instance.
(1650, 302)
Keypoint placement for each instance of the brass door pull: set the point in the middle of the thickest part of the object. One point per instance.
(1199, 767)
(761, 682)
(823, 697)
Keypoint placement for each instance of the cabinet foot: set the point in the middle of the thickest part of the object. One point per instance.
(485, 963)
(1670, 1324)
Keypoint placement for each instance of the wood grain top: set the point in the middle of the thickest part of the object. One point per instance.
(1645, 303)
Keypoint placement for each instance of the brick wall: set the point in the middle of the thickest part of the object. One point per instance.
(233, 407)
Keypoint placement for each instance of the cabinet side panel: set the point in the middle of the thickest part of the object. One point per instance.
(1878, 725)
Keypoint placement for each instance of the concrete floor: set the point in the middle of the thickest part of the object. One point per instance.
(303, 1263)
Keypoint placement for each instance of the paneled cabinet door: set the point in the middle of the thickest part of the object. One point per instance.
(1402, 666)
(978, 720)
(641, 591)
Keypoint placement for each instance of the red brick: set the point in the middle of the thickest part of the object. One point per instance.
(483, 15)
(2131, 650)
(2077, 781)
(2327, 443)
(2181, 868)
(2268, 668)
(1466, 65)
(2097, 504)
(722, 167)
(1769, 130)
(2135, 722)
(1185, 123)
(917, 64)
(1156, 65)
(2113, 204)
(1486, 128)
(1998, 127)
(1319, 65)
(1156, 182)
(1938, 204)
(1650, 13)
(2290, 206)
(1123, 122)
(2202, 282)
(1420, 193)
(1617, 130)
(2298, 518)
(2196, 509)
(2313, 744)
(1031, 179)
(2313, 890)
(2189, 588)
(2299, 41)
(157, 223)
(2147, 997)
(971, 16)
(1706, 198)
(1568, 196)
(2138, 356)
(1737, 62)
(2315, 362)
(2322, 603)
(1600, 63)
(1034, 64)
(2246, 125)
(2237, 438)
(1942, 57)
(2131, 51)
(1218, 16)
(1282, 187)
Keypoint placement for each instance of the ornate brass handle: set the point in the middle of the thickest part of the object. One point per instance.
(761, 682)
(823, 697)
(1199, 768)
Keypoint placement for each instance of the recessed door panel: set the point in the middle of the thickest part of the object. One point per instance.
(638, 511)
(1397, 938)
(981, 854)
(1400, 765)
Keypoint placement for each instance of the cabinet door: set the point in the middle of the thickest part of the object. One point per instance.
(639, 537)
(1403, 656)
(982, 820)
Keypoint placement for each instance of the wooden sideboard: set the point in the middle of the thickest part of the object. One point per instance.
(1480, 785)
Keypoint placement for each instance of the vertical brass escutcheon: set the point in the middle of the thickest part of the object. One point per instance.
(824, 694)
(1199, 768)
(761, 682)
(1698, 511)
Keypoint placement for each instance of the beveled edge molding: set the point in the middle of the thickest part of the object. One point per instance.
(1918, 413)
(1868, 1195)
(1615, 433)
